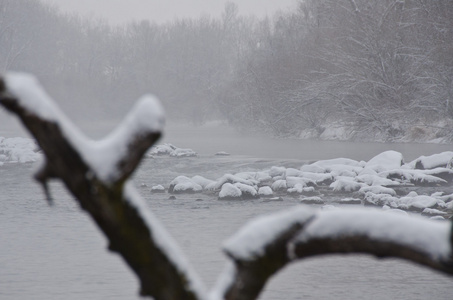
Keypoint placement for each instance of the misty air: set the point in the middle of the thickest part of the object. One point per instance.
(226, 150)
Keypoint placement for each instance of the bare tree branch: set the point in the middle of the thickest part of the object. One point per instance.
(106, 201)
(302, 232)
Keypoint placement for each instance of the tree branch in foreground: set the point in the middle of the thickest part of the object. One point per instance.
(97, 172)
(269, 243)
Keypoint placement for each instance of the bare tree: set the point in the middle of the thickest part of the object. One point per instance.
(97, 174)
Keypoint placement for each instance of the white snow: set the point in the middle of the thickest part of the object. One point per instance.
(317, 177)
(158, 189)
(279, 185)
(433, 161)
(185, 187)
(265, 191)
(417, 202)
(103, 156)
(19, 150)
(252, 238)
(337, 161)
(377, 190)
(31, 95)
(246, 189)
(180, 152)
(170, 150)
(293, 181)
(299, 189)
(346, 184)
(229, 178)
(229, 191)
(200, 180)
(164, 240)
(224, 281)
(432, 238)
(183, 184)
(277, 171)
(388, 160)
(222, 153)
(380, 199)
(431, 211)
(375, 180)
(313, 168)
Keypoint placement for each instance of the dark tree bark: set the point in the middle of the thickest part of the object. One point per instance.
(106, 202)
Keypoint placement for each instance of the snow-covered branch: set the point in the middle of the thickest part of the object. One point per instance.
(96, 173)
(267, 244)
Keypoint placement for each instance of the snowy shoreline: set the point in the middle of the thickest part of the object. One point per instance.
(423, 185)
(19, 150)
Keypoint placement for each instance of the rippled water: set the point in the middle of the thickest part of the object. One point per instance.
(57, 252)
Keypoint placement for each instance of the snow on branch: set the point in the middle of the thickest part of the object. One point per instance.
(97, 172)
(111, 159)
(267, 244)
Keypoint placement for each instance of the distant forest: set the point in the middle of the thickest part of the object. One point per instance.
(381, 70)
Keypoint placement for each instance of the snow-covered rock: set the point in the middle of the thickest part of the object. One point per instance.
(346, 184)
(304, 182)
(279, 185)
(157, 189)
(301, 189)
(203, 182)
(229, 178)
(187, 187)
(180, 152)
(313, 168)
(171, 150)
(312, 200)
(379, 182)
(379, 199)
(353, 201)
(183, 184)
(265, 191)
(19, 150)
(318, 178)
(376, 180)
(433, 212)
(433, 161)
(337, 161)
(377, 190)
(385, 161)
(164, 149)
(417, 203)
(229, 192)
(277, 171)
(248, 192)
(222, 153)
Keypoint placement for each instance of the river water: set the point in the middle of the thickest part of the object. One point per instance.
(57, 252)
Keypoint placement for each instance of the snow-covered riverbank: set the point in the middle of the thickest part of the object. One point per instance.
(422, 185)
(18, 150)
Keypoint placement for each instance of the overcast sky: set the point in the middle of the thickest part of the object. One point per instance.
(120, 11)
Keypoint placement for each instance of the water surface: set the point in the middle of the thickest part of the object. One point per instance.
(58, 253)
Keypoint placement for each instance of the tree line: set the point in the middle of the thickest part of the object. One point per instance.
(381, 69)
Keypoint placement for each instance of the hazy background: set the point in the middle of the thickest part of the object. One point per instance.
(120, 11)
(359, 70)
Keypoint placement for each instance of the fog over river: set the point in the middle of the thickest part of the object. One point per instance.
(58, 253)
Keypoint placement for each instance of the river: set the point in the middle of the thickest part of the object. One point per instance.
(58, 253)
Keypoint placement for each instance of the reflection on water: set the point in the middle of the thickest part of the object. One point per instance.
(57, 252)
